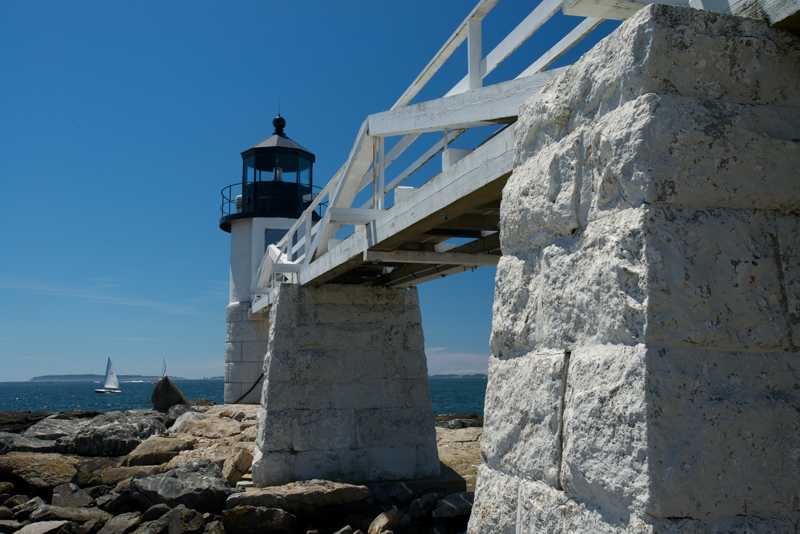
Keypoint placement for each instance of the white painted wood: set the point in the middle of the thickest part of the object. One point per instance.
(481, 106)
(353, 215)
(381, 175)
(484, 165)
(401, 192)
(450, 46)
(434, 258)
(451, 156)
(287, 267)
(775, 11)
(611, 9)
(512, 41)
(474, 54)
(562, 46)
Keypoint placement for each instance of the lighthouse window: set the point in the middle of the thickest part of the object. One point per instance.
(271, 237)
(304, 171)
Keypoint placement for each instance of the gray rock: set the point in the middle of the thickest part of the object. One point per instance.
(188, 416)
(182, 520)
(122, 524)
(385, 521)
(24, 510)
(21, 443)
(15, 500)
(70, 495)
(78, 515)
(6, 513)
(92, 526)
(155, 512)
(214, 527)
(44, 527)
(308, 499)
(112, 502)
(151, 527)
(198, 485)
(424, 505)
(174, 412)
(8, 526)
(257, 520)
(117, 433)
(402, 493)
(455, 505)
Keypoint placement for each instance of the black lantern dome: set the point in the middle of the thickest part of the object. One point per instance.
(277, 180)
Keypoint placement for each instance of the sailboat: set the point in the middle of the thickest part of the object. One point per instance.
(111, 385)
(163, 372)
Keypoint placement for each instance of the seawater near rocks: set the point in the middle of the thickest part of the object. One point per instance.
(644, 371)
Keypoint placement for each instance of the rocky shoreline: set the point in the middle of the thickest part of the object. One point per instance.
(185, 471)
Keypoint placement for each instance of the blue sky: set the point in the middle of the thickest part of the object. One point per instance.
(121, 122)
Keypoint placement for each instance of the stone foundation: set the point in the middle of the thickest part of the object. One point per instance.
(245, 348)
(645, 374)
(346, 392)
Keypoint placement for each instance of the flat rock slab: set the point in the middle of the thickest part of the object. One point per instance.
(39, 472)
(309, 498)
(43, 527)
(70, 495)
(182, 520)
(157, 450)
(78, 515)
(122, 524)
(199, 485)
(257, 520)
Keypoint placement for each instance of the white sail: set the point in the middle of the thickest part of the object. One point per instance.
(111, 377)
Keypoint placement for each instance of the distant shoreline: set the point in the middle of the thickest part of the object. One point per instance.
(121, 378)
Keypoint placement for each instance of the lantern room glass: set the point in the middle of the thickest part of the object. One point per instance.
(277, 167)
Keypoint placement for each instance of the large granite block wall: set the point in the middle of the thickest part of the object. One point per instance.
(245, 346)
(346, 392)
(645, 374)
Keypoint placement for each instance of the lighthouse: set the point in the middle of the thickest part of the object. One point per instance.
(276, 187)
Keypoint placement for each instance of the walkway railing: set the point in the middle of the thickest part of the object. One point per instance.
(467, 105)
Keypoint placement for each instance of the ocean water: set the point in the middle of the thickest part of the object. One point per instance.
(449, 396)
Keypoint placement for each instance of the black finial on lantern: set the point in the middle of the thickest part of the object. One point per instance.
(279, 123)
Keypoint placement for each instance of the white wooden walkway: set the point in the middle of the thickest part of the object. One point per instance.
(407, 243)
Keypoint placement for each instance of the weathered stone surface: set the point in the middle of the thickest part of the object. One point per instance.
(78, 515)
(21, 443)
(237, 465)
(157, 450)
(454, 505)
(198, 485)
(166, 395)
(44, 527)
(122, 524)
(174, 412)
(155, 512)
(70, 495)
(114, 475)
(421, 507)
(309, 498)
(6, 513)
(117, 433)
(181, 520)
(8, 526)
(39, 472)
(346, 394)
(385, 522)
(649, 232)
(23, 510)
(206, 427)
(257, 520)
(522, 437)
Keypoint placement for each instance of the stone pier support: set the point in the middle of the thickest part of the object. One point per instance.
(645, 374)
(346, 388)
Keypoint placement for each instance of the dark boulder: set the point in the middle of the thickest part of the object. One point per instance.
(70, 495)
(183, 520)
(455, 505)
(122, 524)
(166, 394)
(257, 520)
(117, 433)
(77, 515)
(199, 485)
(23, 511)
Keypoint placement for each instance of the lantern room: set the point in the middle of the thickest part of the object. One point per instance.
(277, 180)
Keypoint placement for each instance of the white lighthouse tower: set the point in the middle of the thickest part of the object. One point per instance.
(276, 187)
